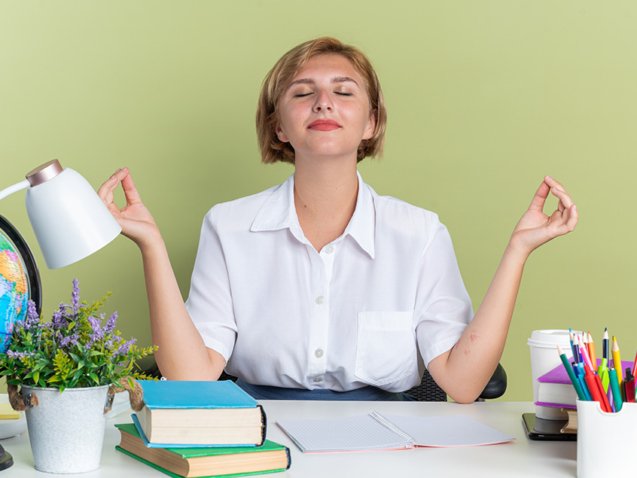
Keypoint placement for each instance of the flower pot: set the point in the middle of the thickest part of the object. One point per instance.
(66, 430)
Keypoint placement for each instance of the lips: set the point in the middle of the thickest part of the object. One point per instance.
(324, 125)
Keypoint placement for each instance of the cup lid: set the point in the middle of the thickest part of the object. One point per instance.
(550, 337)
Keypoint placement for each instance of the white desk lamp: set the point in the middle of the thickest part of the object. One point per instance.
(68, 217)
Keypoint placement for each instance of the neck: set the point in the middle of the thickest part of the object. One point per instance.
(325, 195)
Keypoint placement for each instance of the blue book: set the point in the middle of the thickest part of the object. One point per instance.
(199, 413)
(195, 394)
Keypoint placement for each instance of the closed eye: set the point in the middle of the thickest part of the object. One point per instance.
(343, 93)
(302, 95)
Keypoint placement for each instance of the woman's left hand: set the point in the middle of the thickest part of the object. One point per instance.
(535, 227)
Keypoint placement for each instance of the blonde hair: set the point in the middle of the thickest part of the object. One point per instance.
(280, 76)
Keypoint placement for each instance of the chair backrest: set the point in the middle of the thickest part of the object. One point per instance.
(426, 391)
(429, 391)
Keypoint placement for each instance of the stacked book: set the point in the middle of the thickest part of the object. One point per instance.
(556, 390)
(197, 429)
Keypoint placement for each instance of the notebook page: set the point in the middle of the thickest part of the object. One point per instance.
(448, 431)
(342, 434)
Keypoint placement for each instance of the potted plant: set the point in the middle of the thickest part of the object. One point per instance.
(63, 371)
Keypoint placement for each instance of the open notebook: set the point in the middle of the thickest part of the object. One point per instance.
(389, 432)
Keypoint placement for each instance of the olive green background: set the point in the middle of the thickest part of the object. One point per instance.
(484, 99)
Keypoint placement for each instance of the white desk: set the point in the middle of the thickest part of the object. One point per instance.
(521, 458)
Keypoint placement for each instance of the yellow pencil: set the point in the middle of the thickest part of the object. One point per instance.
(617, 361)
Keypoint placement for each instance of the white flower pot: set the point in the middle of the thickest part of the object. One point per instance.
(66, 430)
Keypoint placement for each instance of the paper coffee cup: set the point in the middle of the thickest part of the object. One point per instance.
(544, 357)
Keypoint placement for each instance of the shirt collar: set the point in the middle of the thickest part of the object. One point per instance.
(361, 226)
(278, 212)
(278, 209)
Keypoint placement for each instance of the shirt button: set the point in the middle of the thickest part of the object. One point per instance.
(318, 353)
(320, 299)
(329, 249)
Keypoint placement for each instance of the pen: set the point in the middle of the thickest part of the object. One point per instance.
(617, 361)
(573, 349)
(578, 349)
(605, 403)
(578, 368)
(595, 389)
(629, 386)
(614, 386)
(571, 374)
(635, 365)
(602, 373)
(605, 344)
(579, 373)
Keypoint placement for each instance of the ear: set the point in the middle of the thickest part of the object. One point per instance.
(371, 125)
(281, 135)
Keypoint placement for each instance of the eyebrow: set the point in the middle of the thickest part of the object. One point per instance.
(309, 81)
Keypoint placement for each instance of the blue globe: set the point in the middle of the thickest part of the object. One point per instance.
(19, 280)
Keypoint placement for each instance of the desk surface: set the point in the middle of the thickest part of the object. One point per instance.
(520, 458)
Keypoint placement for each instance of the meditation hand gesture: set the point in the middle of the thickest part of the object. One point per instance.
(535, 227)
(136, 221)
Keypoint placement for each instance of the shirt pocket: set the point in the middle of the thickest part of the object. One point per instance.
(386, 347)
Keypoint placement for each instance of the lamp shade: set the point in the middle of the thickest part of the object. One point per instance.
(69, 219)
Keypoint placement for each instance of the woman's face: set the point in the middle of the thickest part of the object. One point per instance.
(325, 111)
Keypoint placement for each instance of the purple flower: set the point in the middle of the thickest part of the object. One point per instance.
(59, 319)
(19, 355)
(96, 325)
(32, 312)
(32, 317)
(110, 324)
(68, 341)
(75, 296)
(123, 349)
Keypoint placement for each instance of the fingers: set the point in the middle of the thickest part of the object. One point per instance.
(565, 221)
(550, 185)
(130, 191)
(566, 216)
(106, 190)
(539, 199)
(557, 190)
(573, 218)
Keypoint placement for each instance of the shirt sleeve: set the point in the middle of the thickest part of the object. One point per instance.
(210, 300)
(443, 306)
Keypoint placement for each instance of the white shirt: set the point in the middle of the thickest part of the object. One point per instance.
(371, 308)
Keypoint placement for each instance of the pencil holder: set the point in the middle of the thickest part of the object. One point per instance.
(606, 442)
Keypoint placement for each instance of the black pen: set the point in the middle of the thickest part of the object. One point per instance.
(605, 344)
(629, 386)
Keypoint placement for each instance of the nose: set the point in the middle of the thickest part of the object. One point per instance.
(323, 103)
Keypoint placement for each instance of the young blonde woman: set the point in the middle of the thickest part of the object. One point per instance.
(319, 287)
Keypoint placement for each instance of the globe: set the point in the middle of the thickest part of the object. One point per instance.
(19, 280)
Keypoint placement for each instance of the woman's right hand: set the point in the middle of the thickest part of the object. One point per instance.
(135, 220)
